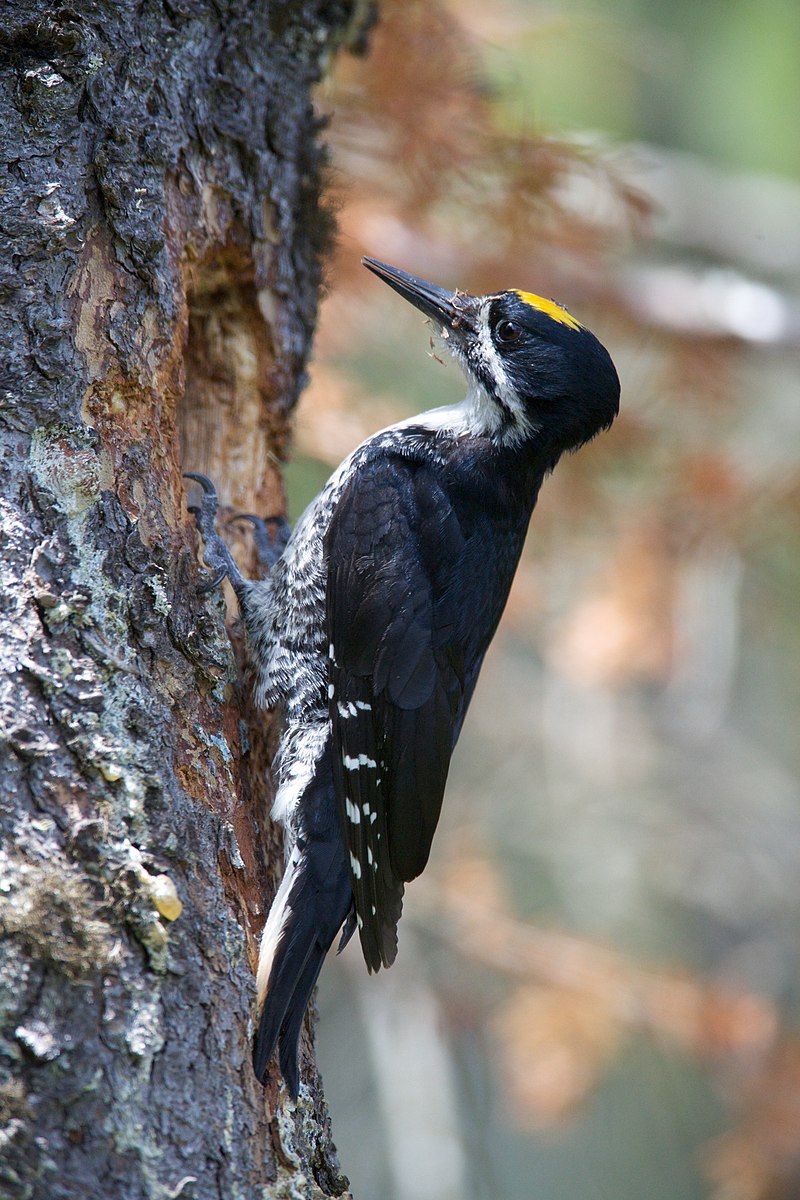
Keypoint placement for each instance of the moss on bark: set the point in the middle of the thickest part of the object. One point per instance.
(165, 231)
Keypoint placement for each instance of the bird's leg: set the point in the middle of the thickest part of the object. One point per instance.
(270, 535)
(215, 553)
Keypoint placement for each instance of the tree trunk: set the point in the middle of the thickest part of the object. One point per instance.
(160, 274)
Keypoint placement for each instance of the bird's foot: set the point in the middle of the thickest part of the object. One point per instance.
(216, 554)
(270, 535)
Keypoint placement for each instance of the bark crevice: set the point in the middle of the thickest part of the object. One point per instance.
(163, 197)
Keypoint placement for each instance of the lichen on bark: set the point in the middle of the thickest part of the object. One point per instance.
(164, 230)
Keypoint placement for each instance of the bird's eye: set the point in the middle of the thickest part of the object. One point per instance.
(508, 331)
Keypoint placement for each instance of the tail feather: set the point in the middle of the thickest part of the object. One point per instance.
(289, 959)
(289, 1037)
(274, 933)
(312, 903)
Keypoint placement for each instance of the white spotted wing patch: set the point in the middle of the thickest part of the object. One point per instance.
(363, 760)
(360, 786)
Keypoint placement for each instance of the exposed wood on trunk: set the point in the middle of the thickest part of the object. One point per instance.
(161, 278)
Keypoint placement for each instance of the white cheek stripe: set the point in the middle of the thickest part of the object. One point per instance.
(478, 414)
(522, 425)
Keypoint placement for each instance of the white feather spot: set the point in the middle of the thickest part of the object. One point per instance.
(370, 859)
(521, 425)
(362, 704)
(355, 866)
(363, 760)
(372, 819)
(365, 809)
(331, 690)
(352, 812)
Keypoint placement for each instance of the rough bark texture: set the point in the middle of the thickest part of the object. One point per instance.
(159, 277)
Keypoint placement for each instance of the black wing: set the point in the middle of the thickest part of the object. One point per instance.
(397, 679)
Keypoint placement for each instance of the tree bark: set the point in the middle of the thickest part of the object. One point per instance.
(160, 273)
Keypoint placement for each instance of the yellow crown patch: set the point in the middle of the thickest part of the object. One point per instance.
(549, 308)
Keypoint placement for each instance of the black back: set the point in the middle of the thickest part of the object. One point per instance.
(421, 551)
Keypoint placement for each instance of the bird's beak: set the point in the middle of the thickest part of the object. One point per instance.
(451, 310)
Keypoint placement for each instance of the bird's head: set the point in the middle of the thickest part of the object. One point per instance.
(538, 375)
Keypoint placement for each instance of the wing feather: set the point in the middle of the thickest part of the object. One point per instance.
(394, 549)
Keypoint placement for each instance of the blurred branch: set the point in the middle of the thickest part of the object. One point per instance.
(574, 999)
(416, 127)
(709, 303)
(707, 1018)
(760, 1158)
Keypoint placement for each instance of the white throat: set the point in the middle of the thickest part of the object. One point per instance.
(479, 414)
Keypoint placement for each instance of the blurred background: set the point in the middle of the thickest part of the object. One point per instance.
(597, 989)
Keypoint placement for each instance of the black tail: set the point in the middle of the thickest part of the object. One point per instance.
(308, 912)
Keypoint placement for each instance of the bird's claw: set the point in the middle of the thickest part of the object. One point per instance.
(215, 553)
(269, 544)
(212, 584)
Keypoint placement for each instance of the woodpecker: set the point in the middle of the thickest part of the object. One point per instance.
(370, 629)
